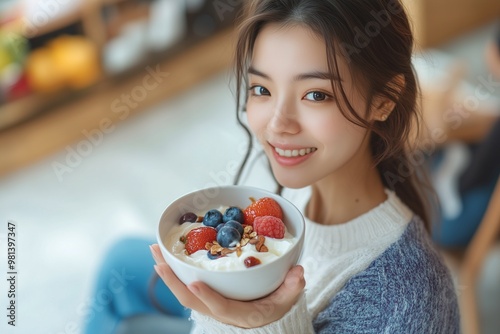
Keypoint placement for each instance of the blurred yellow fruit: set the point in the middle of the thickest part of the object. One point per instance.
(42, 72)
(77, 59)
(67, 61)
(5, 59)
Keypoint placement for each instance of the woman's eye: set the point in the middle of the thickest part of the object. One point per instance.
(259, 91)
(316, 96)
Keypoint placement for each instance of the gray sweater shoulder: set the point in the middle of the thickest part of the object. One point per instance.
(407, 289)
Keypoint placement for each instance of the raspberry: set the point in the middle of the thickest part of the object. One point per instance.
(269, 226)
(197, 238)
(265, 206)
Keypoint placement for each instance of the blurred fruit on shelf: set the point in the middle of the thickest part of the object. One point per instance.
(77, 58)
(13, 48)
(19, 88)
(43, 74)
(66, 61)
(4, 59)
(13, 51)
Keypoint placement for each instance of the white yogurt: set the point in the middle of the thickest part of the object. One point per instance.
(230, 262)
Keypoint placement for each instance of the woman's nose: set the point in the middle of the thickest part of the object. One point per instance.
(284, 120)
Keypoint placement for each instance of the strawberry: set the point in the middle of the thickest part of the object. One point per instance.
(265, 206)
(197, 238)
(269, 226)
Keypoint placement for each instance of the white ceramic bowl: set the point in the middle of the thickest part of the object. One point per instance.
(249, 283)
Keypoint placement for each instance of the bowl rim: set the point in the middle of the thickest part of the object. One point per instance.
(299, 238)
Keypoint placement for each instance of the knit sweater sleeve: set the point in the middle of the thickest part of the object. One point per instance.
(296, 321)
(407, 289)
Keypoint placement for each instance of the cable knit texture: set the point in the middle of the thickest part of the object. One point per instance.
(378, 273)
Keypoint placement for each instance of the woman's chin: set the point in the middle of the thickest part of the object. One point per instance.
(292, 181)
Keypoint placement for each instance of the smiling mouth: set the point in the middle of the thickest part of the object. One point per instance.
(295, 153)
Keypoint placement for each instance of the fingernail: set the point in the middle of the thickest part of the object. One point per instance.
(194, 289)
(157, 269)
(301, 272)
(153, 252)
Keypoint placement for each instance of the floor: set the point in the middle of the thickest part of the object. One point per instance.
(72, 206)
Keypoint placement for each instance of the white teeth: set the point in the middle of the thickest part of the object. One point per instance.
(294, 153)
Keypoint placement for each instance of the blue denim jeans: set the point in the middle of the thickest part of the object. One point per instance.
(121, 288)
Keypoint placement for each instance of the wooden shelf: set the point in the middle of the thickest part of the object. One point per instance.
(24, 108)
(30, 106)
(89, 15)
(76, 15)
(51, 131)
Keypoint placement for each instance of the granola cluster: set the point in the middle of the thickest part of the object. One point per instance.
(249, 237)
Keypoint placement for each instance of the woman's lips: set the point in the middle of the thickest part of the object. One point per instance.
(291, 156)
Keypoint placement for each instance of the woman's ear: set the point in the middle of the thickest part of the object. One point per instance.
(383, 106)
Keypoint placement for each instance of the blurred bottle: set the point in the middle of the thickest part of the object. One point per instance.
(167, 23)
(126, 49)
(164, 26)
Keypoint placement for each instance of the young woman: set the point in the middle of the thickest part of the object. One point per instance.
(330, 96)
(331, 99)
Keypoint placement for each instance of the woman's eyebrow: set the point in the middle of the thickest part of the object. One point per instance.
(254, 71)
(316, 75)
(300, 77)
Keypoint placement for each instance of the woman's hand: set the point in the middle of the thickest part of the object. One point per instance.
(199, 297)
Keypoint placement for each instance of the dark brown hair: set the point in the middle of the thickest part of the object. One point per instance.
(375, 38)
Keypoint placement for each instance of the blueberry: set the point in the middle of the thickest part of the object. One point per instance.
(188, 217)
(228, 237)
(233, 213)
(236, 225)
(219, 227)
(213, 256)
(212, 218)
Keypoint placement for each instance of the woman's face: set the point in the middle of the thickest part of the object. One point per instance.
(292, 112)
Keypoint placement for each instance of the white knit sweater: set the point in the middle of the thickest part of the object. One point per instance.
(332, 255)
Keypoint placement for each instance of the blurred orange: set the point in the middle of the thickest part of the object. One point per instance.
(66, 61)
(77, 59)
(42, 73)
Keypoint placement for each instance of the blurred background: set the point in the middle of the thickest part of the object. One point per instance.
(111, 109)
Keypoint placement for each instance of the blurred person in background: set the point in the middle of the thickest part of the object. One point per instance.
(466, 167)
